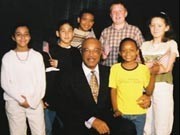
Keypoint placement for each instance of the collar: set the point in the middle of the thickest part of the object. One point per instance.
(87, 70)
(125, 25)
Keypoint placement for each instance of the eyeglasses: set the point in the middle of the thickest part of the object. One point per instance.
(94, 51)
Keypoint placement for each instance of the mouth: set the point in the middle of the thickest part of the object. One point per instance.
(91, 59)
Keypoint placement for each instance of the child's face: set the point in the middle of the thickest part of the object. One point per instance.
(86, 21)
(158, 27)
(118, 13)
(129, 51)
(65, 34)
(22, 37)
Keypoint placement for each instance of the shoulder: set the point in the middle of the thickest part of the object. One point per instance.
(103, 67)
(115, 66)
(35, 54)
(145, 44)
(133, 26)
(8, 55)
(107, 29)
(142, 66)
(172, 42)
(74, 48)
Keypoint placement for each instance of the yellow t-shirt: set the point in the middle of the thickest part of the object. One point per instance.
(129, 85)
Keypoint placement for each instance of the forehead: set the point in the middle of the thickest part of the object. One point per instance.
(91, 43)
(128, 44)
(21, 29)
(117, 7)
(87, 15)
(157, 20)
(65, 26)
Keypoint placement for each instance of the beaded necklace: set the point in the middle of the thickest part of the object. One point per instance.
(20, 59)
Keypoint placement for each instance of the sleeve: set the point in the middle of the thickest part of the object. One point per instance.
(147, 76)
(89, 123)
(101, 39)
(139, 37)
(40, 84)
(7, 81)
(112, 77)
(174, 48)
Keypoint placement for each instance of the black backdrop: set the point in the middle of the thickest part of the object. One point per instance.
(42, 16)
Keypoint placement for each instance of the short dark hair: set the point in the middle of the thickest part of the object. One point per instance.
(20, 24)
(62, 22)
(125, 40)
(134, 41)
(84, 11)
(122, 2)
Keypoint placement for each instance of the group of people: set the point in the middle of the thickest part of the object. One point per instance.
(81, 82)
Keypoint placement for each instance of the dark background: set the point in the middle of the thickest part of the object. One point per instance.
(42, 16)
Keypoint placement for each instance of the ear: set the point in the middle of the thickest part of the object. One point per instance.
(13, 38)
(167, 28)
(126, 13)
(57, 33)
(78, 19)
(110, 15)
(137, 52)
(119, 53)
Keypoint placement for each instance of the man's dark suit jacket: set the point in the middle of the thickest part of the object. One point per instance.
(76, 103)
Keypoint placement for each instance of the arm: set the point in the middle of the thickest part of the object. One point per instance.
(169, 67)
(8, 81)
(105, 45)
(101, 126)
(168, 60)
(145, 100)
(138, 36)
(114, 102)
(154, 71)
(40, 83)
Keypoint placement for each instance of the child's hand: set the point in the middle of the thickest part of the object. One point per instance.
(155, 69)
(53, 62)
(144, 101)
(117, 113)
(25, 103)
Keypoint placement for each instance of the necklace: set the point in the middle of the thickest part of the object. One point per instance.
(22, 59)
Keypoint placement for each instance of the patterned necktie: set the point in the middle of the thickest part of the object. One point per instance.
(94, 86)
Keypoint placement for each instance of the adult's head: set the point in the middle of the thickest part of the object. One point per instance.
(86, 19)
(91, 52)
(118, 12)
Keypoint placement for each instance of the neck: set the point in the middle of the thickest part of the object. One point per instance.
(64, 45)
(119, 26)
(21, 49)
(156, 40)
(83, 30)
(129, 65)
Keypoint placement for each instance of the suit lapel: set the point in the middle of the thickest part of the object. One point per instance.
(86, 90)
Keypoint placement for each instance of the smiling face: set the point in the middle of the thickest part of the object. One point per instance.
(158, 27)
(129, 51)
(118, 13)
(65, 34)
(91, 52)
(22, 37)
(86, 21)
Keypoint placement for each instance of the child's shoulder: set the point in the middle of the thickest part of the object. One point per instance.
(116, 65)
(142, 66)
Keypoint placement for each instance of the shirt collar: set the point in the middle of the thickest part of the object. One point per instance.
(126, 24)
(87, 70)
